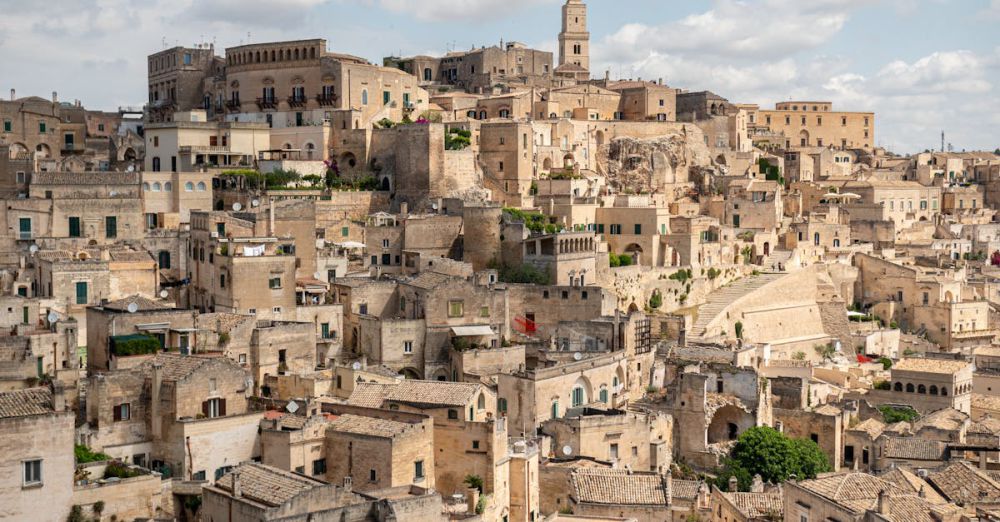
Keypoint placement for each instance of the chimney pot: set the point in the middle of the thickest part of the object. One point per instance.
(733, 484)
(237, 487)
(883, 502)
(13, 94)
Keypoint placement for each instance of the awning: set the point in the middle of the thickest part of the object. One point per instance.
(472, 331)
(152, 327)
(350, 244)
(184, 330)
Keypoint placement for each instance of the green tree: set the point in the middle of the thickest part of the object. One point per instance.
(767, 452)
(613, 260)
(656, 300)
(739, 329)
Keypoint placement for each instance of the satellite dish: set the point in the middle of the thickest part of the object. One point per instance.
(318, 275)
(132, 308)
(292, 407)
(567, 450)
(131, 168)
(33, 249)
(53, 317)
(237, 206)
(577, 356)
(356, 366)
(255, 203)
(164, 294)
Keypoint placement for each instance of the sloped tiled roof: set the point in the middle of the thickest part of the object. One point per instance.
(687, 489)
(944, 419)
(847, 486)
(617, 486)
(912, 448)
(361, 425)
(961, 482)
(143, 303)
(267, 485)
(930, 365)
(873, 427)
(414, 392)
(758, 505)
(910, 483)
(24, 403)
(177, 367)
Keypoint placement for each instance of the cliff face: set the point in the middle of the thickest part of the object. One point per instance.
(653, 164)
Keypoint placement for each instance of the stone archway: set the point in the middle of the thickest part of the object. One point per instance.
(410, 373)
(727, 423)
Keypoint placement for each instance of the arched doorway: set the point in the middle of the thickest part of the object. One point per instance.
(17, 149)
(129, 154)
(635, 251)
(385, 184)
(600, 138)
(804, 138)
(347, 161)
(727, 424)
(767, 248)
(43, 150)
(410, 373)
(547, 164)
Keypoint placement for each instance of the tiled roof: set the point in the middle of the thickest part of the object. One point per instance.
(960, 482)
(909, 482)
(912, 448)
(986, 402)
(361, 425)
(267, 485)
(873, 427)
(126, 256)
(758, 505)
(428, 280)
(143, 303)
(414, 392)
(617, 486)
(945, 366)
(900, 427)
(178, 367)
(23, 403)
(687, 489)
(847, 486)
(945, 419)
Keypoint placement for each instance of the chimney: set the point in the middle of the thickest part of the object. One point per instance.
(733, 484)
(348, 483)
(472, 498)
(404, 209)
(883, 502)
(659, 81)
(13, 94)
(607, 75)
(58, 396)
(237, 489)
(758, 484)
(55, 97)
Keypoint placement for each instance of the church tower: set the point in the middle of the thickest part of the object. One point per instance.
(574, 40)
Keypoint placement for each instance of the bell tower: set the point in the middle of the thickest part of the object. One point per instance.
(574, 40)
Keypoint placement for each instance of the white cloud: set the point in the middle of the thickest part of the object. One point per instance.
(450, 10)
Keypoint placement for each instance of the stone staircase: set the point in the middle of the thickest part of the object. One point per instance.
(718, 300)
(777, 257)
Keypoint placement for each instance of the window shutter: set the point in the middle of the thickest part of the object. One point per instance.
(117, 411)
(204, 408)
(222, 407)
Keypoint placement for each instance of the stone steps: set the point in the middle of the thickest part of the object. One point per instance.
(720, 299)
(775, 258)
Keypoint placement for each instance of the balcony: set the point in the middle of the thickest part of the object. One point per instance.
(326, 100)
(296, 101)
(267, 103)
(233, 105)
(203, 149)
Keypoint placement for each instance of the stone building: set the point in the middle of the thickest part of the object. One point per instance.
(190, 142)
(807, 123)
(36, 434)
(640, 495)
(929, 384)
(185, 416)
(479, 70)
(574, 41)
(257, 492)
(857, 497)
(634, 440)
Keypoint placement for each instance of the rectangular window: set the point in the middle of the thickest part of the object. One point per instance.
(319, 467)
(638, 229)
(74, 226)
(274, 283)
(418, 469)
(345, 231)
(213, 408)
(456, 308)
(616, 229)
(122, 412)
(484, 311)
(324, 329)
(8, 126)
(41, 127)
(372, 476)
(81, 292)
(33, 472)
(111, 227)
(407, 346)
(614, 452)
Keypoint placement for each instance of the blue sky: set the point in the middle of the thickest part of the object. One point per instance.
(922, 65)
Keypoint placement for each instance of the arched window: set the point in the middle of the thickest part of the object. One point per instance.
(933, 390)
(145, 186)
(921, 389)
(944, 391)
(482, 115)
(201, 186)
(296, 54)
(188, 187)
(816, 239)
(164, 258)
(604, 395)
(481, 403)
(168, 186)
(504, 113)
(157, 187)
(364, 97)
(898, 387)
(909, 387)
